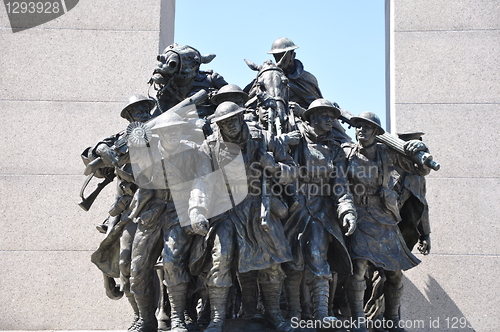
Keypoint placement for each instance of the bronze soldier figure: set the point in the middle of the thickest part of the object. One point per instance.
(377, 239)
(115, 249)
(304, 87)
(174, 183)
(325, 205)
(260, 244)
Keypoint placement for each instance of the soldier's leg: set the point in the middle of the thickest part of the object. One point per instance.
(146, 248)
(318, 273)
(355, 290)
(293, 283)
(393, 291)
(175, 253)
(271, 281)
(126, 241)
(219, 276)
(250, 295)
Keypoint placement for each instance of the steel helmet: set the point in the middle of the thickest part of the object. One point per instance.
(370, 118)
(281, 45)
(320, 104)
(226, 110)
(227, 91)
(135, 99)
(168, 119)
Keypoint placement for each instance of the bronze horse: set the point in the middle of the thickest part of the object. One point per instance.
(270, 93)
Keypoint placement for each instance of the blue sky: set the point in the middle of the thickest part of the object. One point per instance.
(341, 42)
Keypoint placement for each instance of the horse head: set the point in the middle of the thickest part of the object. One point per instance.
(270, 89)
(177, 68)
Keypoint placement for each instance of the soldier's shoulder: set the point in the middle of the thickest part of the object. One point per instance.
(254, 129)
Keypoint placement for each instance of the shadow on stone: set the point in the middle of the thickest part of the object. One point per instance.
(434, 311)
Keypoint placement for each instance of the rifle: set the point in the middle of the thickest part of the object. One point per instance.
(121, 146)
(87, 202)
(396, 144)
(265, 204)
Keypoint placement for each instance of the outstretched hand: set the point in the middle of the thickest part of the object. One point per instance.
(424, 244)
(199, 223)
(350, 223)
(108, 155)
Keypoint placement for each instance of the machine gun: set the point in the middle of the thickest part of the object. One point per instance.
(136, 133)
(396, 144)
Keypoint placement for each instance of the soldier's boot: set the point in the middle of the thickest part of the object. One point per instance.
(177, 295)
(392, 303)
(218, 302)
(147, 308)
(249, 296)
(355, 290)
(134, 327)
(292, 288)
(271, 293)
(320, 291)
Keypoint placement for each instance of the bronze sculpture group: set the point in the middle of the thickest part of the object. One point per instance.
(256, 203)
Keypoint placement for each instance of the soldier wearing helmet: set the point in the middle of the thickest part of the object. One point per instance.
(377, 239)
(256, 250)
(314, 228)
(304, 88)
(115, 249)
(175, 190)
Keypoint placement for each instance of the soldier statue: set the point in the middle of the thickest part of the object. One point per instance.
(377, 239)
(325, 205)
(260, 244)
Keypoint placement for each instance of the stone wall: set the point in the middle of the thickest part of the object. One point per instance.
(445, 82)
(61, 83)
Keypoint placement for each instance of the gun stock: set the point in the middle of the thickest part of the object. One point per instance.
(87, 202)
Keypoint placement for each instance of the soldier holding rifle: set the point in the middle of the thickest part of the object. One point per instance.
(113, 257)
(377, 239)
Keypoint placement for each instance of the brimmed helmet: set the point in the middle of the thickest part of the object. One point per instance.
(369, 117)
(321, 104)
(411, 135)
(281, 45)
(226, 110)
(168, 119)
(134, 100)
(227, 91)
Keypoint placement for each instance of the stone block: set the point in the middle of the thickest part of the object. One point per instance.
(418, 15)
(447, 67)
(56, 290)
(47, 137)
(462, 213)
(41, 212)
(453, 293)
(459, 136)
(110, 15)
(76, 65)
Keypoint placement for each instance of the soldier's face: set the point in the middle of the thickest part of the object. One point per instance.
(365, 133)
(323, 121)
(285, 59)
(170, 137)
(140, 113)
(231, 127)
